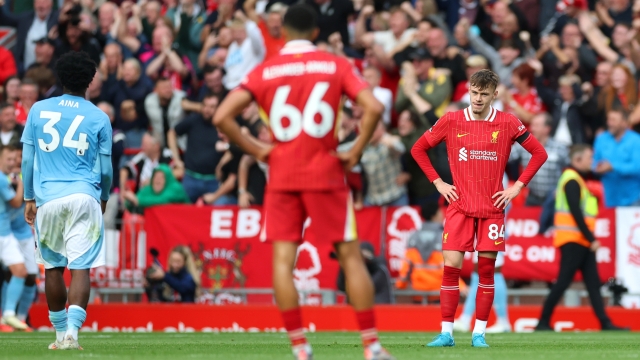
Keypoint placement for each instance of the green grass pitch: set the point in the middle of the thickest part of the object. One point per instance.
(334, 345)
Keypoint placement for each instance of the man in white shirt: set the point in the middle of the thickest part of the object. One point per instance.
(245, 52)
(372, 76)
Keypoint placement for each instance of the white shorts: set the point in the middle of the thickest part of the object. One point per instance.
(28, 250)
(70, 232)
(10, 253)
(499, 259)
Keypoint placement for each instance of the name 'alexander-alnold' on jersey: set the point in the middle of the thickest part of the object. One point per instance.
(299, 68)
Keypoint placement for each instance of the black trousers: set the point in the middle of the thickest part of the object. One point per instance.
(576, 257)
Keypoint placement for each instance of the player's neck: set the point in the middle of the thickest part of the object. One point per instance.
(69, 92)
(483, 115)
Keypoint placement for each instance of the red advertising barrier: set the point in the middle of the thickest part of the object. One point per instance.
(226, 242)
(251, 318)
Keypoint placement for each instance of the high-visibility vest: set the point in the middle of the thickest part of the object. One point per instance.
(566, 230)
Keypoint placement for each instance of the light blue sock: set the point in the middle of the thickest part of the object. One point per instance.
(4, 294)
(59, 321)
(500, 298)
(24, 305)
(77, 316)
(14, 291)
(470, 301)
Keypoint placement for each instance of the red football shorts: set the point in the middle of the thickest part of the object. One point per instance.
(330, 212)
(460, 232)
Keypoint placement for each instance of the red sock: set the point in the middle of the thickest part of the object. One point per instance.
(449, 293)
(367, 325)
(293, 323)
(484, 296)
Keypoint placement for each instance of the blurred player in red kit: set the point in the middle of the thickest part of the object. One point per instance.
(301, 90)
(479, 140)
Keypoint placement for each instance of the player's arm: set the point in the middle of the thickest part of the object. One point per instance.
(244, 198)
(28, 157)
(224, 120)
(106, 176)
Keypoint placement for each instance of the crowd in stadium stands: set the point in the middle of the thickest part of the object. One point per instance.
(568, 70)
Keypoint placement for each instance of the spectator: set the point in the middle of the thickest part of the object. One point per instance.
(44, 50)
(201, 156)
(215, 49)
(135, 88)
(111, 64)
(140, 167)
(270, 26)
(10, 131)
(127, 31)
(46, 81)
(373, 77)
(522, 100)
(245, 52)
(11, 89)
(188, 20)
(106, 18)
(431, 85)
(333, 16)
(387, 40)
(30, 26)
(617, 159)
(212, 84)
(621, 92)
(377, 268)
(179, 283)
(227, 175)
(28, 95)
(620, 40)
(382, 167)
(164, 109)
(543, 184)
(151, 16)
(163, 189)
(252, 174)
(73, 36)
(95, 92)
(163, 61)
(7, 64)
(443, 59)
(568, 127)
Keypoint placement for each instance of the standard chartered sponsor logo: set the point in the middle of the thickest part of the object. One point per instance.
(462, 155)
(465, 155)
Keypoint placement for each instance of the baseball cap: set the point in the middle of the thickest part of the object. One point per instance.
(44, 40)
(477, 61)
(420, 54)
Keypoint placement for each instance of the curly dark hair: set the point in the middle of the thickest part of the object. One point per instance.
(485, 79)
(76, 71)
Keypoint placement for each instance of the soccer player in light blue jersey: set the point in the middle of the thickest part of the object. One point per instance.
(66, 167)
(10, 253)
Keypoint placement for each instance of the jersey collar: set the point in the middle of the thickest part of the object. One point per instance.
(297, 47)
(468, 114)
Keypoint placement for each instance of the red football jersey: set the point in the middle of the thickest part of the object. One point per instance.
(299, 93)
(478, 152)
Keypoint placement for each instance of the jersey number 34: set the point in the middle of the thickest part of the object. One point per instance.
(81, 145)
(301, 121)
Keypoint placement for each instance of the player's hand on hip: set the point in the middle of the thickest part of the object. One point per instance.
(349, 159)
(263, 154)
(595, 245)
(30, 211)
(503, 198)
(448, 191)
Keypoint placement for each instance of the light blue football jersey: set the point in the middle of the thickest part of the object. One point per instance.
(68, 133)
(6, 194)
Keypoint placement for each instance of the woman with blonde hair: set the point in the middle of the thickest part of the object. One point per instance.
(181, 281)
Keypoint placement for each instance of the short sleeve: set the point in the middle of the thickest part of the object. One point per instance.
(105, 141)
(438, 132)
(352, 83)
(252, 82)
(6, 191)
(516, 128)
(183, 126)
(27, 134)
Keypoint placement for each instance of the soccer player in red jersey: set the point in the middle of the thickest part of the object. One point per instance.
(479, 140)
(300, 91)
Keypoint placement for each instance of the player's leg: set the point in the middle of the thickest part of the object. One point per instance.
(572, 256)
(457, 238)
(284, 221)
(53, 256)
(462, 323)
(83, 243)
(13, 259)
(27, 248)
(500, 300)
(333, 214)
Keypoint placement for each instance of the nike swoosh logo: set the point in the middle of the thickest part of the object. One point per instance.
(461, 135)
(498, 242)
